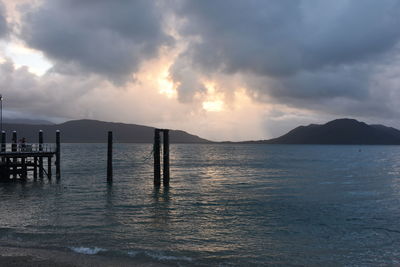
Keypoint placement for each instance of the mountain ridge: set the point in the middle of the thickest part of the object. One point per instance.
(95, 131)
(339, 132)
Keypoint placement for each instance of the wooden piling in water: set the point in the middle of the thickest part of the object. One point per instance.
(109, 157)
(166, 157)
(49, 168)
(157, 160)
(24, 171)
(40, 158)
(58, 155)
(3, 141)
(14, 149)
(35, 172)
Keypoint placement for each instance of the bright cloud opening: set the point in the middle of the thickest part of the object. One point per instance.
(166, 86)
(216, 106)
(24, 56)
(213, 101)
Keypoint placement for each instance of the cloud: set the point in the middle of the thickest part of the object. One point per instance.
(279, 38)
(4, 29)
(242, 68)
(49, 96)
(111, 38)
(317, 55)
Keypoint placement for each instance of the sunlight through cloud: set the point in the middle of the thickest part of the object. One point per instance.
(213, 100)
(166, 86)
(24, 56)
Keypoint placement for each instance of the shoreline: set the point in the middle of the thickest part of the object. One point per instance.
(39, 257)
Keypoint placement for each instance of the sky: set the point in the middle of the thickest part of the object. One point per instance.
(223, 70)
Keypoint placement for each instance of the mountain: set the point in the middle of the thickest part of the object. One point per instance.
(26, 121)
(340, 131)
(92, 131)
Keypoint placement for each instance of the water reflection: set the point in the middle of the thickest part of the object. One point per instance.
(110, 216)
(161, 207)
(250, 205)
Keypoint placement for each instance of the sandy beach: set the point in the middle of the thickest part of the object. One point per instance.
(33, 257)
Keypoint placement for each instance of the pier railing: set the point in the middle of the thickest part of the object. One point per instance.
(28, 147)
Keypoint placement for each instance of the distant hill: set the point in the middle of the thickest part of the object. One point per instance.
(92, 131)
(340, 131)
(26, 121)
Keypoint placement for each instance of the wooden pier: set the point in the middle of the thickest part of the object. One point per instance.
(18, 161)
(21, 160)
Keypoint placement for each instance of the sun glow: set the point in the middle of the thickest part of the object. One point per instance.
(213, 101)
(166, 86)
(217, 105)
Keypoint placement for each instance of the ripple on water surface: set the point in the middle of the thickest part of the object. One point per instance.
(227, 204)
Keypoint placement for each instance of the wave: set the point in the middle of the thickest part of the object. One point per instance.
(159, 256)
(87, 251)
(154, 255)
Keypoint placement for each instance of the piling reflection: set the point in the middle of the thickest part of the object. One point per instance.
(161, 207)
(109, 214)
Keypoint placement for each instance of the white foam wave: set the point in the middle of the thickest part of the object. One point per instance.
(160, 256)
(133, 253)
(87, 251)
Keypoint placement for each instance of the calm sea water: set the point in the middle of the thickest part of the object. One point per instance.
(228, 205)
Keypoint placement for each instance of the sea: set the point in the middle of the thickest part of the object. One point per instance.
(227, 205)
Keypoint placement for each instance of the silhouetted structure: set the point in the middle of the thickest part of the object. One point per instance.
(109, 157)
(157, 159)
(58, 154)
(23, 158)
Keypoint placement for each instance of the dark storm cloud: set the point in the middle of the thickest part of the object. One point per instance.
(3, 22)
(282, 37)
(107, 37)
(307, 50)
(325, 56)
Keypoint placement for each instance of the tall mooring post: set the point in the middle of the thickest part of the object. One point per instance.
(58, 155)
(109, 157)
(14, 149)
(40, 158)
(157, 160)
(166, 158)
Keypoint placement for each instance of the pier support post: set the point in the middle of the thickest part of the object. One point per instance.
(24, 171)
(49, 168)
(156, 153)
(58, 155)
(3, 141)
(14, 149)
(35, 162)
(40, 158)
(14, 141)
(166, 157)
(3, 144)
(109, 157)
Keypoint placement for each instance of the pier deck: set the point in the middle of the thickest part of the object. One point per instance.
(17, 162)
